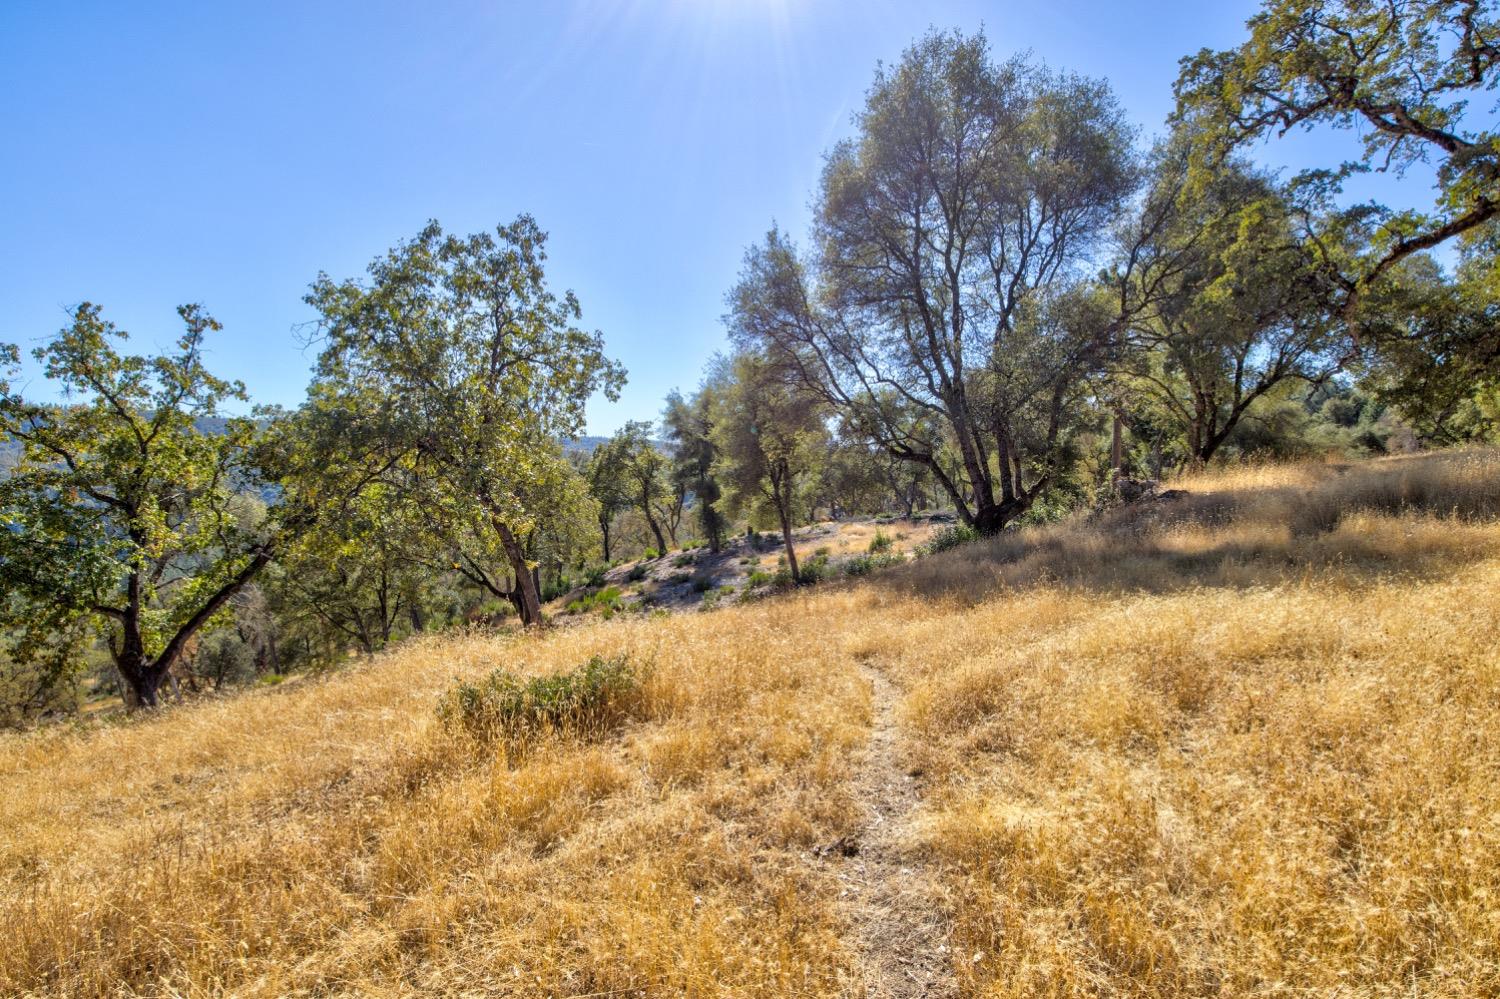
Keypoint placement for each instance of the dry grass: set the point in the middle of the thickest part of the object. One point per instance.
(1245, 742)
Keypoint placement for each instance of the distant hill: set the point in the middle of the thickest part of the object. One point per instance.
(10, 450)
(584, 444)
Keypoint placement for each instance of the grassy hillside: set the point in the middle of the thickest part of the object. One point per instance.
(1244, 741)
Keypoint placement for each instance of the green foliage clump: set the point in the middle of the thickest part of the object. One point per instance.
(814, 570)
(863, 565)
(684, 560)
(554, 588)
(881, 542)
(502, 706)
(948, 538)
(606, 600)
(637, 573)
(713, 597)
(760, 577)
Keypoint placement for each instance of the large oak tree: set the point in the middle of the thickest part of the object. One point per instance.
(123, 517)
(473, 369)
(947, 307)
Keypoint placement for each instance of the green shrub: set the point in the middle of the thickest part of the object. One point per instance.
(552, 589)
(863, 565)
(637, 572)
(881, 542)
(584, 700)
(814, 570)
(950, 537)
(713, 597)
(678, 578)
(595, 577)
(684, 560)
(607, 600)
(703, 582)
(651, 554)
(759, 577)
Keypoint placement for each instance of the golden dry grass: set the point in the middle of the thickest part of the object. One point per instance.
(1245, 742)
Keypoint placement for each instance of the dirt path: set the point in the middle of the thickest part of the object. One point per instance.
(897, 914)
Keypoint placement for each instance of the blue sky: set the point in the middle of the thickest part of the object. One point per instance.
(156, 154)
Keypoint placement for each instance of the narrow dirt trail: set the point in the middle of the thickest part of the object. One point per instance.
(898, 915)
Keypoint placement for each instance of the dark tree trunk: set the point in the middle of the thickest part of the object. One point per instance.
(992, 518)
(141, 683)
(791, 553)
(604, 535)
(527, 600)
(1117, 450)
(661, 541)
(783, 511)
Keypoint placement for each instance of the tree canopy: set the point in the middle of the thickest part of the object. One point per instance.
(475, 367)
(123, 517)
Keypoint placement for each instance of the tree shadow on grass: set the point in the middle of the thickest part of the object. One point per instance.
(1421, 517)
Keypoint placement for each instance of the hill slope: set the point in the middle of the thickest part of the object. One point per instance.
(1244, 741)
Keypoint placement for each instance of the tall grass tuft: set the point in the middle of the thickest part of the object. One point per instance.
(502, 706)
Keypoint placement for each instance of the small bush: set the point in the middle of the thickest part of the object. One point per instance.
(554, 588)
(703, 582)
(637, 573)
(881, 542)
(502, 706)
(607, 600)
(863, 565)
(760, 577)
(950, 537)
(650, 555)
(595, 578)
(813, 571)
(823, 552)
(684, 560)
(713, 597)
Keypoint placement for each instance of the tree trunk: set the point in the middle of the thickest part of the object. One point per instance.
(992, 518)
(1117, 450)
(528, 601)
(786, 538)
(604, 534)
(661, 541)
(140, 685)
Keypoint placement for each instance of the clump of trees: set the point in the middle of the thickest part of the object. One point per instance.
(1004, 303)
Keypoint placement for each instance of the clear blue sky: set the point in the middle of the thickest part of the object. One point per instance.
(155, 153)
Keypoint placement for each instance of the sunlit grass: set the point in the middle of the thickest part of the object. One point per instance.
(1245, 742)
